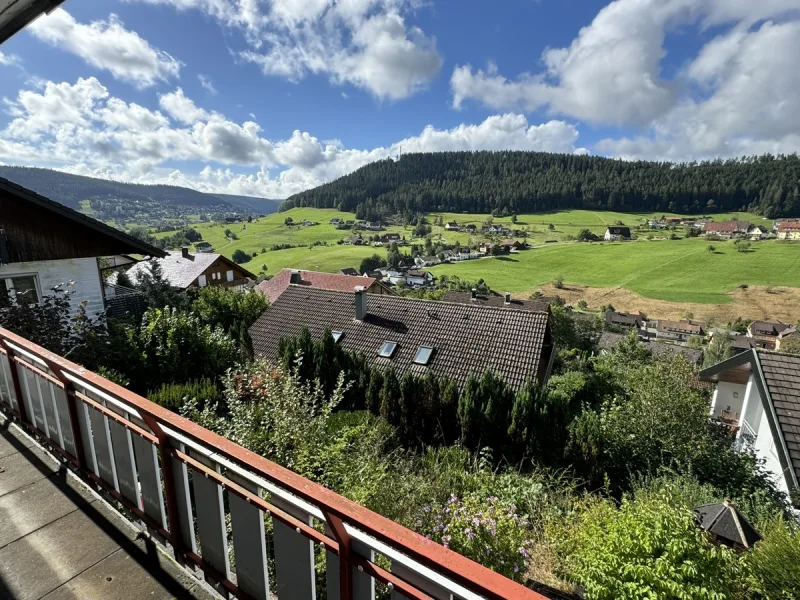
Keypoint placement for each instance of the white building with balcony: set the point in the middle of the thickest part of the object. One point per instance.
(758, 393)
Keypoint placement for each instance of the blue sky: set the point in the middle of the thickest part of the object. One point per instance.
(269, 97)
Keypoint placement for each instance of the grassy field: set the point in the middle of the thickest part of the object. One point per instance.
(674, 271)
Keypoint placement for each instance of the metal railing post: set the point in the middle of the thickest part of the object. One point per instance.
(345, 555)
(12, 367)
(173, 516)
(72, 410)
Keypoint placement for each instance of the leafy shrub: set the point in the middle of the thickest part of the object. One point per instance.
(773, 564)
(488, 530)
(175, 395)
(645, 549)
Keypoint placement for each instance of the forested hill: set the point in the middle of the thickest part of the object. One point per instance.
(517, 182)
(72, 189)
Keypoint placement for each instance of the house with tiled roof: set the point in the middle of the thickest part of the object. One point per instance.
(726, 229)
(616, 234)
(678, 330)
(44, 245)
(276, 286)
(408, 334)
(627, 320)
(765, 333)
(789, 231)
(776, 224)
(608, 341)
(349, 271)
(185, 269)
(758, 393)
(497, 300)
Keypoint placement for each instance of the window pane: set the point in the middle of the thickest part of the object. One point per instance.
(337, 335)
(387, 349)
(423, 355)
(25, 289)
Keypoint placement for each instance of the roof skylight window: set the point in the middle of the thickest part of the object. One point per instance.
(423, 355)
(387, 350)
(337, 335)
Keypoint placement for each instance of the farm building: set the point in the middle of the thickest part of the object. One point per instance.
(617, 234)
(183, 270)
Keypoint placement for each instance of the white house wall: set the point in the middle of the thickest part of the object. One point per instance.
(728, 395)
(50, 273)
(766, 450)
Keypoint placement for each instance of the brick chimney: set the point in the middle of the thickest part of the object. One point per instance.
(295, 277)
(474, 294)
(361, 302)
(185, 252)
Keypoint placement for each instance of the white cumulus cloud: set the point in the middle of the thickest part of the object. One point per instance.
(83, 129)
(107, 45)
(365, 43)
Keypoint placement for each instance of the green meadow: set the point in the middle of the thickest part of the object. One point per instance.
(672, 270)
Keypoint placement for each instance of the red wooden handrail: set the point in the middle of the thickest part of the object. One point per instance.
(467, 573)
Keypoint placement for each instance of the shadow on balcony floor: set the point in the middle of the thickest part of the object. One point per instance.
(60, 542)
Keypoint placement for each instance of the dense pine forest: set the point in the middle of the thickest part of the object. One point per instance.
(518, 182)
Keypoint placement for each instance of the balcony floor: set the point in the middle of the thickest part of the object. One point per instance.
(59, 541)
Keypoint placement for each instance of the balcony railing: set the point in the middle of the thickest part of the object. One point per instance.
(185, 484)
(747, 436)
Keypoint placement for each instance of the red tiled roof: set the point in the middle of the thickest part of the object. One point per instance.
(273, 288)
(727, 226)
(788, 226)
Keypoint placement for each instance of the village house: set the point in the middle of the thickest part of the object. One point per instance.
(789, 231)
(335, 221)
(656, 224)
(203, 247)
(627, 320)
(44, 245)
(512, 244)
(617, 234)
(757, 395)
(349, 271)
(778, 222)
(183, 270)
(355, 240)
(471, 228)
(608, 341)
(727, 229)
(451, 226)
(497, 300)
(678, 330)
(416, 278)
(758, 232)
(426, 261)
(273, 288)
(765, 333)
(412, 335)
(388, 238)
(672, 221)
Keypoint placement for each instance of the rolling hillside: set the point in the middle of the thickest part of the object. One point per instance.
(505, 183)
(127, 203)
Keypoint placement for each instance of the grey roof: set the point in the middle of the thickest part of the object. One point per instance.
(768, 327)
(178, 271)
(726, 523)
(609, 340)
(623, 231)
(466, 339)
(497, 301)
(135, 245)
(621, 318)
(782, 377)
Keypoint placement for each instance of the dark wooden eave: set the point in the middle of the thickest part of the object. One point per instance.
(116, 241)
(17, 14)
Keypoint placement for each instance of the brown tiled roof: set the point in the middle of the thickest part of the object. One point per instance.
(498, 301)
(182, 272)
(788, 226)
(727, 226)
(782, 376)
(466, 338)
(768, 327)
(681, 326)
(273, 288)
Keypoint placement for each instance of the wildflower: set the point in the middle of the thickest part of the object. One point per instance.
(523, 552)
(468, 532)
(516, 569)
(427, 509)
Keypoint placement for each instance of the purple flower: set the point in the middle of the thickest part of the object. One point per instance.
(469, 533)
(516, 569)
(523, 552)
(476, 521)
